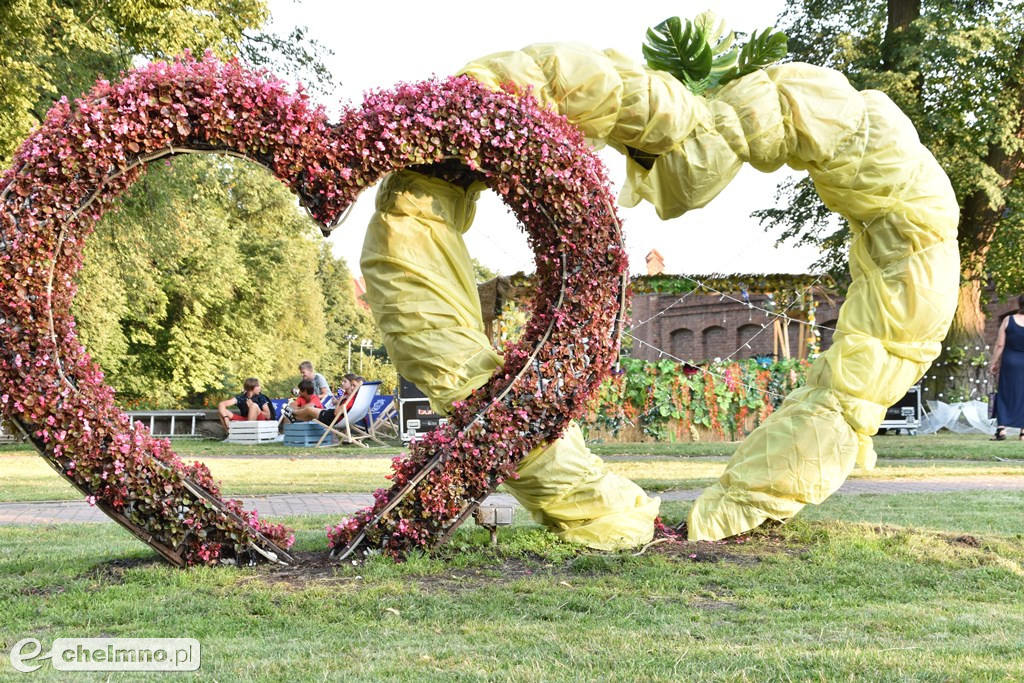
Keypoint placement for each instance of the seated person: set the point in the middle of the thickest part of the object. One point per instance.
(320, 386)
(251, 403)
(307, 397)
(350, 384)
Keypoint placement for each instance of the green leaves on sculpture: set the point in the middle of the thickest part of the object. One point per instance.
(701, 53)
(682, 51)
(760, 51)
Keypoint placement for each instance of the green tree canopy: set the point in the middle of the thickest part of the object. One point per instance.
(956, 69)
(346, 321)
(49, 48)
(204, 276)
(208, 271)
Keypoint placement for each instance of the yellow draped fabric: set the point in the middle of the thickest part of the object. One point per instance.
(421, 288)
(867, 164)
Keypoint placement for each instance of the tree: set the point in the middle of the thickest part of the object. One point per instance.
(49, 49)
(347, 323)
(956, 68)
(205, 275)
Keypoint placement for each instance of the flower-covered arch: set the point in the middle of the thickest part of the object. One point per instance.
(88, 152)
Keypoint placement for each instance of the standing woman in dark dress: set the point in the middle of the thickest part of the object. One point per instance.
(1008, 365)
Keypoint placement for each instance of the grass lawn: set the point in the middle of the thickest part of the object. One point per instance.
(873, 587)
(869, 587)
(823, 597)
(24, 476)
(969, 512)
(942, 446)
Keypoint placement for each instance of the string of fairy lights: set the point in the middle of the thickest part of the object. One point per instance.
(705, 370)
(979, 383)
(771, 314)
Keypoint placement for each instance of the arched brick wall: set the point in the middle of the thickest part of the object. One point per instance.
(673, 323)
(681, 344)
(714, 339)
(759, 339)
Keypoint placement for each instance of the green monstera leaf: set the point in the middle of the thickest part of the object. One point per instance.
(682, 50)
(761, 50)
(702, 53)
(721, 41)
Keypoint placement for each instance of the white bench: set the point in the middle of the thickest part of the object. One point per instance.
(252, 431)
(7, 437)
(170, 417)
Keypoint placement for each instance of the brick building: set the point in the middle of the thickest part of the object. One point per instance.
(699, 327)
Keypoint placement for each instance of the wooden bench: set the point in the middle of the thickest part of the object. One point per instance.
(170, 419)
(7, 437)
(253, 431)
(306, 434)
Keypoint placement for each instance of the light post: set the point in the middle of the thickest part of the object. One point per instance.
(351, 338)
(366, 344)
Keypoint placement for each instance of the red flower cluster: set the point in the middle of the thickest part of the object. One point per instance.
(88, 152)
(62, 179)
(544, 172)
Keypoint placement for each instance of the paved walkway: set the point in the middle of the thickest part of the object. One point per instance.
(78, 511)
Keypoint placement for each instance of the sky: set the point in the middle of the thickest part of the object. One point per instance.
(376, 44)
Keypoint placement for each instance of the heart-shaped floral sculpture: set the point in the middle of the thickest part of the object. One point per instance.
(88, 152)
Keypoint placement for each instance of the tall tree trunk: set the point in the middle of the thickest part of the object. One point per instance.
(901, 14)
(961, 371)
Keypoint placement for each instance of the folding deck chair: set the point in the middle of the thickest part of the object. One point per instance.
(279, 406)
(382, 417)
(348, 420)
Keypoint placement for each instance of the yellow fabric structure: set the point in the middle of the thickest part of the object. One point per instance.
(867, 164)
(421, 288)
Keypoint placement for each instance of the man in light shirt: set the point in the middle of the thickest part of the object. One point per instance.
(320, 386)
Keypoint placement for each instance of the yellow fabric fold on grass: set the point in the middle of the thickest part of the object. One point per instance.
(421, 287)
(867, 164)
(570, 490)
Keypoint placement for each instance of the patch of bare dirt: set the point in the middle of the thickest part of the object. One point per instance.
(714, 605)
(964, 540)
(310, 568)
(113, 572)
(741, 550)
(316, 568)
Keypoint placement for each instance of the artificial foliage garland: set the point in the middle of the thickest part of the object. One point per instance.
(665, 399)
(784, 285)
(88, 152)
